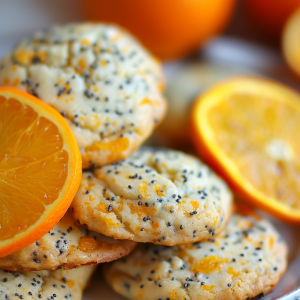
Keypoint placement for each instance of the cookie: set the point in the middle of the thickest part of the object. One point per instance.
(106, 85)
(66, 247)
(58, 284)
(247, 259)
(156, 195)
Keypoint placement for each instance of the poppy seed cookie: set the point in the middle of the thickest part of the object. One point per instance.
(58, 284)
(247, 259)
(106, 85)
(156, 195)
(66, 247)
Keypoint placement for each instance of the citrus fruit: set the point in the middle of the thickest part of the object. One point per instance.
(169, 28)
(247, 129)
(270, 15)
(40, 169)
(291, 42)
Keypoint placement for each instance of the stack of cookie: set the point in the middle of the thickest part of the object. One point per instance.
(180, 208)
(109, 90)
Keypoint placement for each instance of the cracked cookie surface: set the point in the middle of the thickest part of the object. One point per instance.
(66, 247)
(247, 259)
(106, 85)
(60, 284)
(156, 195)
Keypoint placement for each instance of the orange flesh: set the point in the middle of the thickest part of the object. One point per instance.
(30, 155)
(258, 131)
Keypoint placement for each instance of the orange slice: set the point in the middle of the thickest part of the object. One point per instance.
(291, 42)
(40, 169)
(248, 130)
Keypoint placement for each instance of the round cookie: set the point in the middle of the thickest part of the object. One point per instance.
(58, 284)
(247, 259)
(156, 195)
(66, 247)
(106, 85)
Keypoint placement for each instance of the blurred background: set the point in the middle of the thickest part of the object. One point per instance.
(246, 33)
(173, 23)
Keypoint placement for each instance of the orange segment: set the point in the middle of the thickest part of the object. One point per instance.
(291, 42)
(40, 169)
(247, 129)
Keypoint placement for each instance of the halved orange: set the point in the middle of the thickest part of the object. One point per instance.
(291, 42)
(40, 169)
(248, 130)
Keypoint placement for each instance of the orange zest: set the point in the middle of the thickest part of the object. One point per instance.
(247, 129)
(40, 169)
(209, 264)
(291, 42)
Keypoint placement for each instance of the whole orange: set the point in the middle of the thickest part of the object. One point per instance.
(271, 15)
(169, 28)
